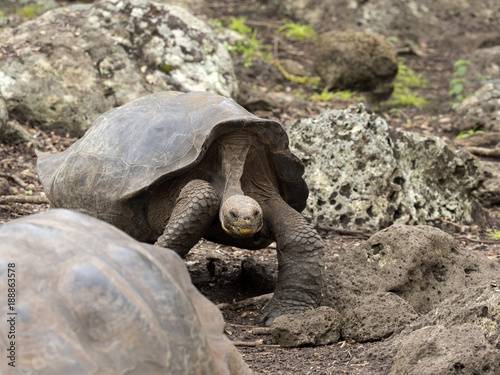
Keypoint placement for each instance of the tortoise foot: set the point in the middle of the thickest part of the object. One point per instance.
(286, 305)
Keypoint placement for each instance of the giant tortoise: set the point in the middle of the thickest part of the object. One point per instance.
(90, 299)
(170, 168)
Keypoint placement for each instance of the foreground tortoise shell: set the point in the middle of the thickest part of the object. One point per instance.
(92, 300)
(171, 168)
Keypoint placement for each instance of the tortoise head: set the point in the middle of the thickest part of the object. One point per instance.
(240, 216)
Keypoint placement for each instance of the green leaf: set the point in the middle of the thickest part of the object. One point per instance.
(458, 88)
(461, 70)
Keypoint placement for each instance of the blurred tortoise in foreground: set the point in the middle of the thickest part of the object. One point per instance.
(92, 300)
(171, 168)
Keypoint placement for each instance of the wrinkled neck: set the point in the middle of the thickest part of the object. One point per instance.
(234, 149)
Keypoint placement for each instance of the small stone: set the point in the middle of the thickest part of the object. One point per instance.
(4, 187)
(320, 326)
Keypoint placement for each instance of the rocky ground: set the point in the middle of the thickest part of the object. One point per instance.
(216, 270)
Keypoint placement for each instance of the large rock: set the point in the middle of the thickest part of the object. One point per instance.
(438, 350)
(478, 306)
(418, 21)
(13, 10)
(322, 15)
(481, 110)
(484, 63)
(364, 174)
(489, 192)
(421, 264)
(378, 317)
(352, 60)
(425, 20)
(435, 299)
(65, 68)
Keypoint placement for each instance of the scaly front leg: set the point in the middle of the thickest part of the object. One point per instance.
(301, 265)
(195, 210)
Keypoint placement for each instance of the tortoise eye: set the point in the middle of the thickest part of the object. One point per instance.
(256, 213)
(233, 214)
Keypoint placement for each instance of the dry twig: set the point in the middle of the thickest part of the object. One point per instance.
(483, 151)
(246, 302)
(447, 222)
(16, 179)
(346, 232)
(464, 238)
(33, 199)
(254, 343)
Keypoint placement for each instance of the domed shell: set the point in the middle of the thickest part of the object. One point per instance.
(92, 300)
(152, 139)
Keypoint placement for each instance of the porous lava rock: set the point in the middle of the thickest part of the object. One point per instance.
(320, 326)
(440, 350)
(480, 110)
(378, 317)
(65, 68)
(364, 174)
(421, 264)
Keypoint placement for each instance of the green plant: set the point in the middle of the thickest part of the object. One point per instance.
(407, 76)
(306, 80)
(465, 133)
(406, 81)
(348, 95)
(458, 82)
(29, 12)
(238, 25)
(326, 96)
(251, 46)
(495, 234)
(396, 112)
(166, 68)
(296, 31)
(217, 23)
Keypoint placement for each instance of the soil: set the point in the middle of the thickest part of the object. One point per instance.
(216, 269)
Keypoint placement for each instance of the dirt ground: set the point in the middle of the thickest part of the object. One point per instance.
(215, 269)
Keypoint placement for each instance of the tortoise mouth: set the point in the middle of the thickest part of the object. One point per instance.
(239, 232)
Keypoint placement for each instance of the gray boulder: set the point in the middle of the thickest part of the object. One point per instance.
(417, 21)
(378, 317)
(489, 192)
(421, 264)
(322, 15)
(481, 110)
(63, 69)
(352, 60)
(364, 174)
(194, 6)
(439, 350)
(478, 306)
(433, 302)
